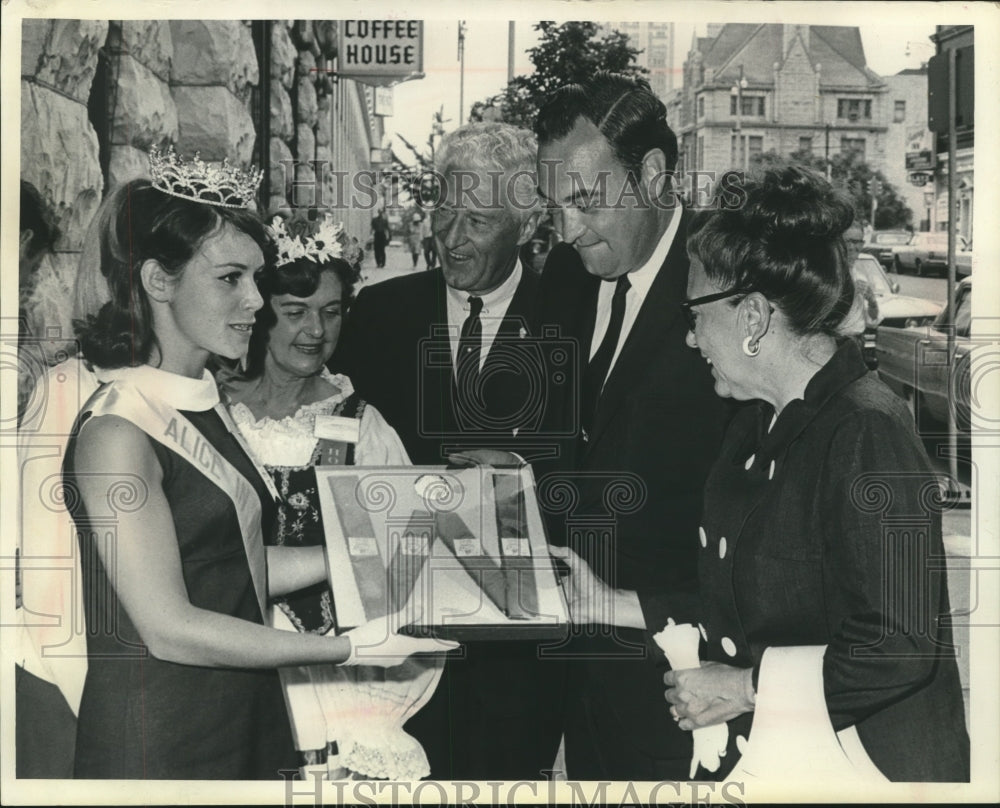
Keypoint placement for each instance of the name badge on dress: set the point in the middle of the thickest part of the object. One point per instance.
(337, 427)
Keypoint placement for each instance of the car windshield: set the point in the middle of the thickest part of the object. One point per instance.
(936, 240)
(891, 238)
(868, 270)
(963, 313)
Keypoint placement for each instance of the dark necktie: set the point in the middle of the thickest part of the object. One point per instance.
(597, 370)
(470, 343)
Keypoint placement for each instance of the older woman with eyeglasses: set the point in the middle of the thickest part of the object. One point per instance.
(820, 517)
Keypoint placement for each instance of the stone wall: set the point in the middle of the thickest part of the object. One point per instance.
(213, 72)
(60, 157)
(317, 118)
(141, 107)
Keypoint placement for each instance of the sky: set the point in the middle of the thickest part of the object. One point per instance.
(486, 66)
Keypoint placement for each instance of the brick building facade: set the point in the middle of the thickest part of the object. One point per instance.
(954, 37)
(906, 104)
(753, 88)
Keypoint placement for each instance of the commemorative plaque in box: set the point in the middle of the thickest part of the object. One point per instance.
(462, 553)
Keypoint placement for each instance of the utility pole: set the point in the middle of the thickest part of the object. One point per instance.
(510, 51)
(952, 234)
(737, 91)
(461, 72)
(828, 170)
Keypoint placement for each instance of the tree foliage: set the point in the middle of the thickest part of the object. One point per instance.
(850, 172)
(567, 53)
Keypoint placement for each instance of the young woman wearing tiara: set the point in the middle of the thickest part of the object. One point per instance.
(170, 509)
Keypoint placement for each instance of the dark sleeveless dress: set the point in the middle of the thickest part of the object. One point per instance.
(145, 718)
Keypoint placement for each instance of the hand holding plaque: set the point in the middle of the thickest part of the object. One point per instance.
(379, 643)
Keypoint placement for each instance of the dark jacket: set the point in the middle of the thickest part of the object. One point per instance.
(395, 349)
(827, 531)
(495, 713)
(636, 487)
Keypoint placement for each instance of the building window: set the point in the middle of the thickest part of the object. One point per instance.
(899, 112)
(853, 144)
(754, 144)
(806, 145)
(854, 109)
(753, 106)
(701, 106)
(701, 152)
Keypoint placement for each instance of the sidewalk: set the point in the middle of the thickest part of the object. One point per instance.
(397, 262)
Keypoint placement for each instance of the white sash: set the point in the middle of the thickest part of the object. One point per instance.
(792, 737)
(165, 424)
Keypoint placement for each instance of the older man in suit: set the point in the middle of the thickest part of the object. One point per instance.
(649, 422)
(448, 359)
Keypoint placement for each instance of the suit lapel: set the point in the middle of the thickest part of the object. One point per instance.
(649, 333)
(515, 321)
(436, 375)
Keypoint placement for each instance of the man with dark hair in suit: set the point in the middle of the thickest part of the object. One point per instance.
(650, 423)
(443, 355)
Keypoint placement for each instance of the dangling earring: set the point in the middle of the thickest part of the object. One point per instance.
(751, 350)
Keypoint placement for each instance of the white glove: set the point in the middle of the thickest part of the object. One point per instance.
(378, 643)
(680, 645)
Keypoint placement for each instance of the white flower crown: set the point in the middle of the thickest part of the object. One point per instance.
(330, 241)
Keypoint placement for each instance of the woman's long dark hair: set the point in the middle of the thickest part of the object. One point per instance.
(138, 223)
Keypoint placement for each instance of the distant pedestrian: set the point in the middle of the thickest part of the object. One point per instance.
(381, 236)
(427, 242)
(413, 237)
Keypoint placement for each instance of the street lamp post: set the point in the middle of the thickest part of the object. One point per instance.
(827, 155)
(461, 72)
(737, 92)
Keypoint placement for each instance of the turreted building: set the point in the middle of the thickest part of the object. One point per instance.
(751, 88)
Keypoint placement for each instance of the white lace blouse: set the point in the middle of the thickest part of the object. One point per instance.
(290, 441)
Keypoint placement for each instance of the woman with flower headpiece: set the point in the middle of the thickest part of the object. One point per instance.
(170, 508)
(343, 721)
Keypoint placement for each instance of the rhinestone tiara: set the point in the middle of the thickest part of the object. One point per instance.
(330, 241)
(224, 186)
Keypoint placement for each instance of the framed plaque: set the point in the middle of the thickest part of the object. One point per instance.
(462, 553)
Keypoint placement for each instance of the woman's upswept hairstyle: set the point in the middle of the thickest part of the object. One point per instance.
(785, 240)
(137, 223)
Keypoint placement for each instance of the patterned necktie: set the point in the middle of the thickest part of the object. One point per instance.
(470, 343)
(600, 364)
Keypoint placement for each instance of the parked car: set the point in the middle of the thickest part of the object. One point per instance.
(882, 242)
(914, 362)
(896, 310)
(928, 252)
